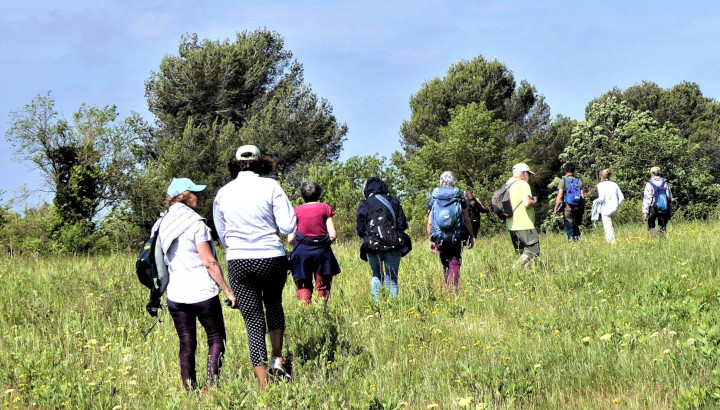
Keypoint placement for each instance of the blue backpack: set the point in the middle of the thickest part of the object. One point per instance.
(661, 199)
(572, 193)
(448, 221)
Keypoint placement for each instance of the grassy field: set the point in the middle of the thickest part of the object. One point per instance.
(634, 325)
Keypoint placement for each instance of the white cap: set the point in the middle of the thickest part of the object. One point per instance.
(521, 167)
(247, 153)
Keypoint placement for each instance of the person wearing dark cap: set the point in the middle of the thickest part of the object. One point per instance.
(195, 280)
(657, 203)
(250, 212)
(521, 224)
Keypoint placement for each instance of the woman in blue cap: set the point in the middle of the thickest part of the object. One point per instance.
(195, 280)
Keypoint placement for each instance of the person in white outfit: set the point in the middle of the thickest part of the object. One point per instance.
(610, 197)
(250, 212)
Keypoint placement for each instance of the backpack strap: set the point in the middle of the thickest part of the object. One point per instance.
(508, 189)
(388, 206)
(656, 188)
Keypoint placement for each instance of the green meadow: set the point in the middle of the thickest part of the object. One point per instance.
(630, 325)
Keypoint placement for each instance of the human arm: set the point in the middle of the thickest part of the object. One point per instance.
(529, 201)
(332, 233)
(468, 225)
(213, 268)
(433, 245)
(283, 211)
(482, 207)
(360, 220)
(648, 195)
(291, 237)
(219, 221)
(559, 197)
(400, 215)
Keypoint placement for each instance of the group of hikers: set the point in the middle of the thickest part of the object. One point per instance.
(251, 211)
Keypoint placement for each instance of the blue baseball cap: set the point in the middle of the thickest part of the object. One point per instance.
(180, 185)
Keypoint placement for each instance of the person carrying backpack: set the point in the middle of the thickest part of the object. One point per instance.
(381, 224)
(475, 209)
(571, 194)
(449, 227)
(521, 223)
(657, 203)
(195, 280)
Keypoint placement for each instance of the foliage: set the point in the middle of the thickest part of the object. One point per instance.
(86, 163)
(694, 116)
(473, 146)
(630, 142)
(214, 96)
(475, 81)
(30, 233)
(591, 326)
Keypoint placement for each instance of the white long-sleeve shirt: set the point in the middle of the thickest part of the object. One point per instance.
(610, 197)
(249, 213)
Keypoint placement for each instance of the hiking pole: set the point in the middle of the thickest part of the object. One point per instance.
(145, 335)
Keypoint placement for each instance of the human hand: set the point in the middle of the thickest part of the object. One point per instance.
(472, 242)
(230, 299)
(644, 217)
(434, 247)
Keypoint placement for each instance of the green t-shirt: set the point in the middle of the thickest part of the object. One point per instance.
(523, 218)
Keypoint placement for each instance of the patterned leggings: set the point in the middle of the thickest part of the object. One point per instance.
(254, 282)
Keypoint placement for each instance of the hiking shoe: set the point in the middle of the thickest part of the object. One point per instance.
(277, 367)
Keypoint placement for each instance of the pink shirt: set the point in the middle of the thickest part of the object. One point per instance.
(311, 218)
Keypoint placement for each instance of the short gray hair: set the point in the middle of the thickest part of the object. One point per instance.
(447, 178)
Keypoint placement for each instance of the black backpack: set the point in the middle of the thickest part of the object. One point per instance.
(152, 272)
(381, 224)
(501, 205)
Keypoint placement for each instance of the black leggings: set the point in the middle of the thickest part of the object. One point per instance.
(662, 219)
(209, 313)
(256, 282)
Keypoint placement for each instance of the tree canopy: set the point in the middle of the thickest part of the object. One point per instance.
(214, 96)
(474, 81)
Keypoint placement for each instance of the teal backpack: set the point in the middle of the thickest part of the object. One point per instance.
(448, 221)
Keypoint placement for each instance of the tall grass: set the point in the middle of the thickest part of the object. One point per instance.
(632, 325)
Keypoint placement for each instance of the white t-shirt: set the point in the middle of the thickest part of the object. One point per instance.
(610, 196)
(190, 281)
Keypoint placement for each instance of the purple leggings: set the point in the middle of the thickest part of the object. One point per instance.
(451, 260)
(209, 313)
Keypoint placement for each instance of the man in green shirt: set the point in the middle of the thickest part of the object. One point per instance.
(521, 225)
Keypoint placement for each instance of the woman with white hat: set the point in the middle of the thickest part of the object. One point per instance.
(249, 212)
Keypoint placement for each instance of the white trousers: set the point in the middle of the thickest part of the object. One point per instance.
(608, 228)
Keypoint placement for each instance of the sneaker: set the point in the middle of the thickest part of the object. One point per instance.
(277, 367)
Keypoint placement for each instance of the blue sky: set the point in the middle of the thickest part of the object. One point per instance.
(366, 57)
